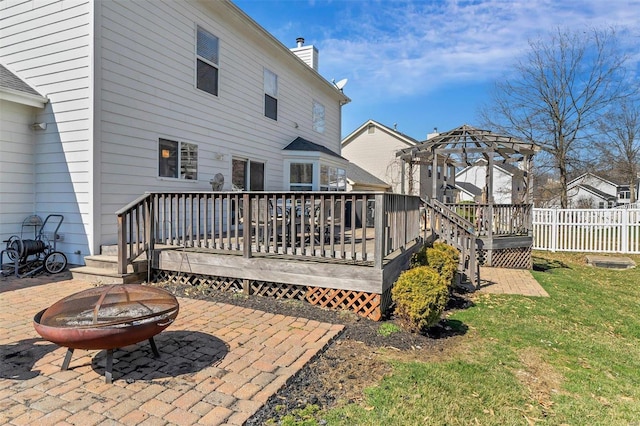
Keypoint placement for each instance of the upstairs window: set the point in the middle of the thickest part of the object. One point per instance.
(178, 160)
(270, 95)
(317, 116)
(207, 62)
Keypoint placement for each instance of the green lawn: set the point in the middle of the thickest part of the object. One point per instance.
(572, 358)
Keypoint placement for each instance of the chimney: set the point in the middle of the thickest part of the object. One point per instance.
(308, 54)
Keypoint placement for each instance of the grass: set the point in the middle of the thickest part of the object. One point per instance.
(572, 358)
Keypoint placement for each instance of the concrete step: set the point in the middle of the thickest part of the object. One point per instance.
(110, 263)
(103, 276)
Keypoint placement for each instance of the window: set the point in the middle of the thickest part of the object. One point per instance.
(178, 160)
(270, 94)
(317, 115)
(207, 62)
(301, 177)
(625, 195)
(332, 178)
(247, 175)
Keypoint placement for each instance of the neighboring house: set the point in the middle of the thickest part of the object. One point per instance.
(508, 183)
(373, 147)
(108, 99)
(592, 191)
(358, 179)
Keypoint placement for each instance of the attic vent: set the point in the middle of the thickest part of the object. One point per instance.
(372, 129)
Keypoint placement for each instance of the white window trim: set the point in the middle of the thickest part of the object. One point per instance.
(195, 62)
(179, 160)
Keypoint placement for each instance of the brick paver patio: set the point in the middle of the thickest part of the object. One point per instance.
(510, 281)
(219, 364)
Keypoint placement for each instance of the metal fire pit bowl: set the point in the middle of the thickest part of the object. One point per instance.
(107, 317)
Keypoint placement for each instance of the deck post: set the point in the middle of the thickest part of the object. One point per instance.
(150, 232)
(246, 225)
(380, 230)
(122, 243)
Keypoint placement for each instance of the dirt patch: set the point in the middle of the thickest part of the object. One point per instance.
(357, 359)
(540, 378)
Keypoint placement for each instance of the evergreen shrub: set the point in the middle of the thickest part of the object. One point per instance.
(420, 296)
(444, 259)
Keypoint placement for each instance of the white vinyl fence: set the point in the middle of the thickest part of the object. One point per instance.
(587, 230)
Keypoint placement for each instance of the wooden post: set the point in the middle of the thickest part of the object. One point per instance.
(150, 232)
(434, 176)
(246, 227)
(380, 231)
(122, 243)
(402, 166)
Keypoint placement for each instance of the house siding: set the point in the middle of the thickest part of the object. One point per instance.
(376, 153)
(502, 183)
(120, 75)
(17, 180)
(147, 91)
(47, 44)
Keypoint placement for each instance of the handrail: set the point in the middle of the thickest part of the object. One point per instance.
(363, 227)
(135, 230)
(456, 231)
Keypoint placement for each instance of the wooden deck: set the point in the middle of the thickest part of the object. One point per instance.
(333, 249)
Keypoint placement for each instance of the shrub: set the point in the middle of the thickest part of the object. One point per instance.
(420, 295)
(444, 259)
(419, 258)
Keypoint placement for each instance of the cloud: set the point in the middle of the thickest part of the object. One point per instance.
(392, 49)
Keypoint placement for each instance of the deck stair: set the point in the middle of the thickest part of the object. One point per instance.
(103, 268)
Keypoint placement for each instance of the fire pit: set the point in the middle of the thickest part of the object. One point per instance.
(107, 317)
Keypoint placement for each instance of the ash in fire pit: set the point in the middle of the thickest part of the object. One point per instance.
(107, 317)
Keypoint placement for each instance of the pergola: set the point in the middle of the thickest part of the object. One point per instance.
(462, 147)
(502, 232)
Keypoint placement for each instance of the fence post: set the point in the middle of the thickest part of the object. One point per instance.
(625, 230)
(122, 243)
(554, 230)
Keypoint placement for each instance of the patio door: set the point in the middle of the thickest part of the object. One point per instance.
(247, 175)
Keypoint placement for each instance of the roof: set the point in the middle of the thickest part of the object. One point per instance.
(597, 192)
(301, 144)
(358, 175)
(468, 144)
(469, 188)
(408, 140)
(13, 88)
(9, 80)
(584, 175)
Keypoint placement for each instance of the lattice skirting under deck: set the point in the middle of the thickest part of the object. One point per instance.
(368, 305)
(512, 258)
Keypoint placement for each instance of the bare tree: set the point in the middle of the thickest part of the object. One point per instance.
(619, 143)
(558, 91)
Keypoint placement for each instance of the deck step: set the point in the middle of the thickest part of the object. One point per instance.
(110, 263)
(103, 276)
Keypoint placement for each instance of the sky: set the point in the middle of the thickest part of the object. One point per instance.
(422, 65)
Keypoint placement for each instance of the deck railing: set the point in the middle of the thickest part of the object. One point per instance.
(496, 219)
(349, 226)
(453, 229)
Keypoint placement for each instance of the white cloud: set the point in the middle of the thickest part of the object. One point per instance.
(394, 49)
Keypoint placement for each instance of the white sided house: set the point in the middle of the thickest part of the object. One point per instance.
(373, 147)
(592, 191)
(508, 183)
(110, 99)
